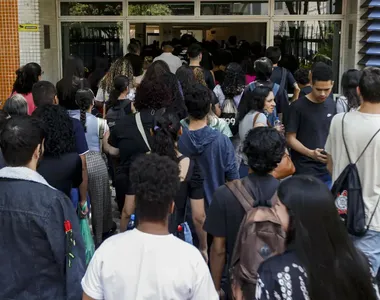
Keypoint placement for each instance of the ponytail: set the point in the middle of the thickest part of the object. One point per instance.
(120, 85)
(165, 133)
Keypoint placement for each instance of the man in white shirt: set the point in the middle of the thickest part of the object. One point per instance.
(174, 62)
(148, 262)
(359, 127)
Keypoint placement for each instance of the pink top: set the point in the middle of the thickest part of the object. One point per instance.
(29, 100)
(249, 79)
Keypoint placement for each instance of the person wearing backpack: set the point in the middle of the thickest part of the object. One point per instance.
(118, 105)
(320, 261)
(353, 158)
(264, 148)
(281, 75)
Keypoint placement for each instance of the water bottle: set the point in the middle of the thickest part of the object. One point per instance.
(131, 223)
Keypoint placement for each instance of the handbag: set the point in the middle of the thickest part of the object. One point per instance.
(86, 235)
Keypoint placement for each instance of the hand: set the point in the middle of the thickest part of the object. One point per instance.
(319, 156)
(221, 294)
(83, 212)
(280, 128)
(204, 254)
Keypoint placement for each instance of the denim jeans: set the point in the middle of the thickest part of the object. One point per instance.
(369, 244)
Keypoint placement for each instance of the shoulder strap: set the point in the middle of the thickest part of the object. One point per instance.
(283, 77)
(240, 192)
(345, 143)
(255, 119)
(101, 133)
(141, 129)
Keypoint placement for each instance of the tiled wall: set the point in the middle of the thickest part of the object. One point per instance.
(9, 46)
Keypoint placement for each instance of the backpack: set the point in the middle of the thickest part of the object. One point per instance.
(260, 236)
(116, 113)
(229, 114)
(347, 191)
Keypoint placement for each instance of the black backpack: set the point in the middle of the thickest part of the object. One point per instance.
(115, 113)
(347, 190)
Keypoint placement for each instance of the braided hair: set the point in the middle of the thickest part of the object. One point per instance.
(165, 133)
(84, 98)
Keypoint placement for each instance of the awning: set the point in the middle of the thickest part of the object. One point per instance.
(371, 40)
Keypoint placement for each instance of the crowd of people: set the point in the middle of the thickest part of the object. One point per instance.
(227, 187)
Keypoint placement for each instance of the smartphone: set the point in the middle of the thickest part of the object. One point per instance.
(323, 152)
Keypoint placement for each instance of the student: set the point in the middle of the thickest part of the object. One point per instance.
(134, 50)
(264, 148)
(16, 106)
(359, 127)
(213, 150)
(45, 93)
(350, 100)
(173, 61)
(319, 250)
(26, 77)
(308, 125)
(42, 251)
(61, 165)
(195, 55)
(158, 265)
(274, 54)
(302, 77)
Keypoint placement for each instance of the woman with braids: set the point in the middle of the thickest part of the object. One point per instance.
(61, 165)
(166, 132)
(151, 96)
(26, 77)
(121, 66)
(97, 133)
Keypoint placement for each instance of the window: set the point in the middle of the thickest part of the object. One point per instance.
(315, 8)
(161, 8)
(304, 42)
(91, 8)
(234, 7)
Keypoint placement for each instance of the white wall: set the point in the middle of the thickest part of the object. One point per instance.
(49, 57)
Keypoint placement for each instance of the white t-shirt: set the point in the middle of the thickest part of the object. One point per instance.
(358, 130)
(173, 61)
(140, 266)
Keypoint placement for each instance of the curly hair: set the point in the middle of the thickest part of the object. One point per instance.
(199, 76)
(186, 77)
(156, 182)
(122, 66)
(58, 129)
(264, 148)
(156, 70)
(165, 133)
(234, 81)
(152, 94)
(253, 100)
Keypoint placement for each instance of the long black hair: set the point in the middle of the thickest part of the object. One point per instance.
(58, 127)
(186, 77)
(73, 72)
(84, 98)
(120, 85)
(253, 100)
(234, 81)
(350, 81)
(26, 77)
(156, 70)
(165, 132)
(335, 268)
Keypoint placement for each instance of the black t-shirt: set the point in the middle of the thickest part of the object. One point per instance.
(226, 213)
(305, 91)
(126, 136)
(311, 122)
(219, 76)
(63, 172)
(277, 75)
(208, 77)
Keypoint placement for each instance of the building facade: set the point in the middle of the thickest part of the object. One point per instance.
(342, 32)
